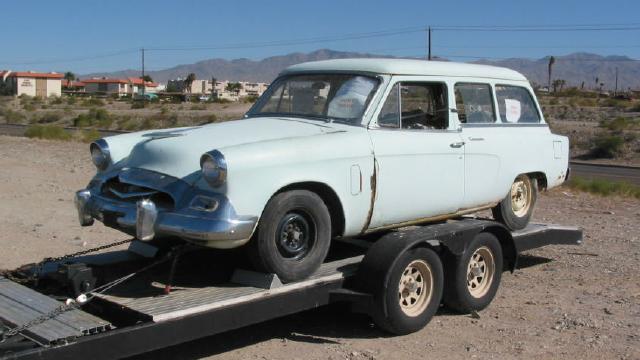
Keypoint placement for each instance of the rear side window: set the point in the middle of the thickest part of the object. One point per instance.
(516, 105)
(474, 103)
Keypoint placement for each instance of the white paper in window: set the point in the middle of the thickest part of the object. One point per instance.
(513, 110)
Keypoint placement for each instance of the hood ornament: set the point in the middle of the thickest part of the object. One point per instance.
(168, 133)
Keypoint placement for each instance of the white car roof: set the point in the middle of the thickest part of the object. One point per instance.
(408, 67)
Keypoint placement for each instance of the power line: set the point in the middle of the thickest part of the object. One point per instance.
(354, 36)
(73, 59)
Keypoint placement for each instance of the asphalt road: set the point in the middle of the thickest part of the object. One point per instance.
(589, 171)
(609, 172)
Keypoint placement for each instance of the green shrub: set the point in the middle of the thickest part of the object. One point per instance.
(49, 117)
(620, 124)
(147, 124)
(634, 107)
(71, 100)
(91, 135)
(92, 102)
(607, 146)
(95, 117)
(211, 118)
(198, 107)
(47, 132)
(56, 100)
(12, 116)
(29, 107)
(250, 99)
(604, 187)
(137, 105)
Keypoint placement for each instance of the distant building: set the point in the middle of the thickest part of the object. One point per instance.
(31, 83)
(75, 86)
(220, 89)
(121, 87)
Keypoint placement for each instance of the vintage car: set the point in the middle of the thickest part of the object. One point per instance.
(334, 148)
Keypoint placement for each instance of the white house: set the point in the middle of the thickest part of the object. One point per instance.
(32, 83)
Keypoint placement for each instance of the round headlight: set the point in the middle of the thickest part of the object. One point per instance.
(100, 154)
(214, 168)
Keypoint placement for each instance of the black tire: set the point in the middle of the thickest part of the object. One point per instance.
(505, 212)
(396, 320)
(458, 295)
(293, 236)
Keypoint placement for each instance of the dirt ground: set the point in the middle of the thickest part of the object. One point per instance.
(564, 302)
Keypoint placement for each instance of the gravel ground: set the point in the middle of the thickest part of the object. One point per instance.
(564, 302)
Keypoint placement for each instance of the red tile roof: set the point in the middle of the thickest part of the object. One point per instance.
(131, 80)
(31, 74)
(105, 81)
(66, 83)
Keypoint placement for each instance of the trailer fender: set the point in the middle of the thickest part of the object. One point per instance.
(447, 239)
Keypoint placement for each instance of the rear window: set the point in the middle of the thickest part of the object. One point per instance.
(516, 105)
(474, 103)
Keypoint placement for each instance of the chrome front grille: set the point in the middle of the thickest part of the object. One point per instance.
(118, 190)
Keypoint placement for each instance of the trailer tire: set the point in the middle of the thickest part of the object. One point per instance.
(473, 279)
(516, 209)
(293, 236)
(411, 294)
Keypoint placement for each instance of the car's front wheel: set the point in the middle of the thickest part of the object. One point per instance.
(516, 209)
(293, 236)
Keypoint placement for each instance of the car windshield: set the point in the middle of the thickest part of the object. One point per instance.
(328, 97)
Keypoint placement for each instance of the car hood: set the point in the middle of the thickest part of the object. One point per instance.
(176, 152)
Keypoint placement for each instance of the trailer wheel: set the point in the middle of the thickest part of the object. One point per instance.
(474, 278)
(293, 236)
(411, 294)
(516, 208)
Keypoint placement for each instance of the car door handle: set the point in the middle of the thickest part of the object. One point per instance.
(476, 139)
(457, 144)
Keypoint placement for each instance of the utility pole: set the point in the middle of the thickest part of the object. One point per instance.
(615, 92)
(143, 82)
(429, 37)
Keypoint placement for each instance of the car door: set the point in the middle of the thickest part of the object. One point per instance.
(483, 143)
(419, 155)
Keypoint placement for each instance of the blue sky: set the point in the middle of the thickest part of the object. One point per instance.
(76, 35)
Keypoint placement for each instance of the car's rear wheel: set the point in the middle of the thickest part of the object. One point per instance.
(293, 236)
(516, 209)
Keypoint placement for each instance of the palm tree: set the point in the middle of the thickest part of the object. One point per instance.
(188, 81)
(69, 77)
(552, 60)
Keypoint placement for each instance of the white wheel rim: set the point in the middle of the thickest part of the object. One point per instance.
(521, 196)
(415, 288)
(480, 272)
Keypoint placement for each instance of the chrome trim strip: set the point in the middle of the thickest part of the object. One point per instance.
(467, 125)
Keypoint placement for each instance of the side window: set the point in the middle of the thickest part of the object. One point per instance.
(516, 105)
(474, 103)
(420, 106)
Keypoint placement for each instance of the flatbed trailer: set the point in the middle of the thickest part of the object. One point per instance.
(211, 293)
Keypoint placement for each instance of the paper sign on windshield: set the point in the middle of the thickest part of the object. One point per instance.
(513, 110)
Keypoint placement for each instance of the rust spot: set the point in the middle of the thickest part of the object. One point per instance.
(433, 218)
(373, 197)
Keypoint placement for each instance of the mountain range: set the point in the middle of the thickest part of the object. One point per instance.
(574, 68)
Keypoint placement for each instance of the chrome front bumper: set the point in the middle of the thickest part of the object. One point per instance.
(218, 229)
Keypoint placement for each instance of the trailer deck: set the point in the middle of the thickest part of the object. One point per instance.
(138, 316)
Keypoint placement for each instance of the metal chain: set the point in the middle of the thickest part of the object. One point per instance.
(39, 320)
(71, 305)
(84, 252)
